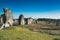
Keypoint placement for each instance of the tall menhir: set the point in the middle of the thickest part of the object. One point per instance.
(21, 20)
(8, 18)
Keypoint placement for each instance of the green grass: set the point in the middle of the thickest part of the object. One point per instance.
(20, 33)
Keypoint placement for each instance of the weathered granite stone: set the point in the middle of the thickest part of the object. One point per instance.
(21, 20)
(29, 20)
(7, 18)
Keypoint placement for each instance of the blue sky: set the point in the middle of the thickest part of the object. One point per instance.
(33, 8)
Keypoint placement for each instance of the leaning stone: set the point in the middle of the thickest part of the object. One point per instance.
(7, 18)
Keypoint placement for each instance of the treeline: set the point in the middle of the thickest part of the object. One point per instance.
(48, 20)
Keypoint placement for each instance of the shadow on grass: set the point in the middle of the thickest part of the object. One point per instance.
(50, 28)
(57, 39)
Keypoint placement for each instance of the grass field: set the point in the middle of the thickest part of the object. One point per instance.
(21, 33)
(50, 29)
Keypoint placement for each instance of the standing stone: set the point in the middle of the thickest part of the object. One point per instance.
(21, 20)
(7, 18)
(29, 20)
